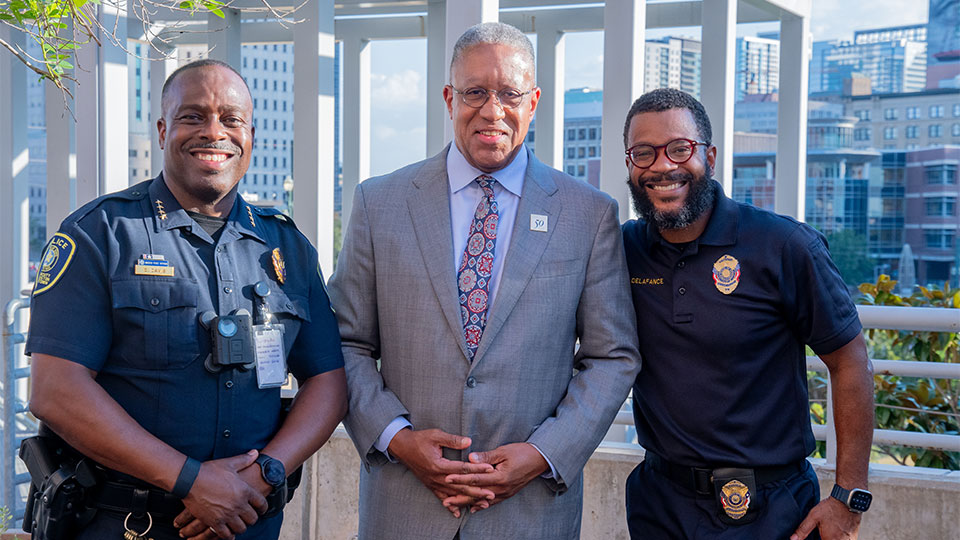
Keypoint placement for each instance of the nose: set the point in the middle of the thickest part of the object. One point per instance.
(662, 163)
(492, 109)
(212, 129)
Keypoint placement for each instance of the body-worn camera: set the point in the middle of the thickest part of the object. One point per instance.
(231, 337)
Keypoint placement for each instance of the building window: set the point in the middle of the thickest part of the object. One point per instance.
(936, 130)
(913, 113)
(571, 134)
(581, 134)
(133, 153)
(941, 206)
(939, 238)
(956, 109)
(889, 132)
(862, 134)
(912, 132)
(936, 111)
(593, 134)
(581, 170)
(941, 174)
(274, 124)
(955, 130)
(254, 61)
(571, 153)
(244, 61)
(592, 151)
(581, 152)
(890, 114)
(863, 114)
(254, 179)
(254, 83)
(134, 173)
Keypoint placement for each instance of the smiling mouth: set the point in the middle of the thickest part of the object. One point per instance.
(667, 187)
(491, 132)
(211, 157)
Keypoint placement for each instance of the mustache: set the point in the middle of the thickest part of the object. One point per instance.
(667, 177)
(221, 145)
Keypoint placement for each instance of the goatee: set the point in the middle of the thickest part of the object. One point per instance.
(700, 198)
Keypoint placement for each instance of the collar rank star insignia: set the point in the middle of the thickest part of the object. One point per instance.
(726, 274)
(161, 213)
(279, 267)
(735, 498)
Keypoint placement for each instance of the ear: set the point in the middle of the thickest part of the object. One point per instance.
(534, 99)
(711, 159)
(448, 97)
(161, 131)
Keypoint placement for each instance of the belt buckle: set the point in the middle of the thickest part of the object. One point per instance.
(703, 481)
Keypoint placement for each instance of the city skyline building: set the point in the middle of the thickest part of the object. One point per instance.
(893, 58)
(672, 62)
(758, 66)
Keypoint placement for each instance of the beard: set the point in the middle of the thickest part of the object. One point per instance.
(699, 199)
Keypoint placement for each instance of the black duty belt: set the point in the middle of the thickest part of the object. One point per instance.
(700, 479)
(138, 500)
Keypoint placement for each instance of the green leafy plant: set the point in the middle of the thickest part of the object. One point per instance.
(918, 404)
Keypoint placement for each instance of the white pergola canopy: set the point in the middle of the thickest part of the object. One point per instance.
(101, 130)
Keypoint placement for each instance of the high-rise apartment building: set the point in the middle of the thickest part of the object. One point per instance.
(943, 44)
(894, 59)
(758, 66)
(672, 62)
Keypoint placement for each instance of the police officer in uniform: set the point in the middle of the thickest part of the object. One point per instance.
(726, 297)
(164, 319)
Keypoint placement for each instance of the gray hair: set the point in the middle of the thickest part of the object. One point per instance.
(495, 33)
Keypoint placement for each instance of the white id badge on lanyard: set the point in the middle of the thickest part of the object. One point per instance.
(271, 361)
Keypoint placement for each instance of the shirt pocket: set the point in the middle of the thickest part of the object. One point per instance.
(291, 310)
(155, 322)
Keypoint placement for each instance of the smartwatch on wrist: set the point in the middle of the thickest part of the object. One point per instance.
(272, 471)
(856, 500)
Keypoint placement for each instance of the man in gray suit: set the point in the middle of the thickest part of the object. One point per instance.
(470, 276)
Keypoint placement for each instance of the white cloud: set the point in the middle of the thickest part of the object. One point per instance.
(830, 19)
(400, 88)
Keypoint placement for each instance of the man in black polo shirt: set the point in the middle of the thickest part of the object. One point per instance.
(727, 296)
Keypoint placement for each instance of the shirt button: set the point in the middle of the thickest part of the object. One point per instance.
(681, 264)
(471, 382)
(228, 384)
(682, 290)
(219, 249)
(154, 302)
(227, 290)
(226, 434)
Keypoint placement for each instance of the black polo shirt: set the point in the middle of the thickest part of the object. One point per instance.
(722, 323)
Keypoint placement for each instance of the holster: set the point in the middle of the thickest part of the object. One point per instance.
(61, 480)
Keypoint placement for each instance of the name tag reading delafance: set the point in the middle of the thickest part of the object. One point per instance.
(271, 362)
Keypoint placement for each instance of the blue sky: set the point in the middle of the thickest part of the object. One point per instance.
(398, 69)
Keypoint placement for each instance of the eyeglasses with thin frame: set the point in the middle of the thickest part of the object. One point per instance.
(477, 97)
(678, 151)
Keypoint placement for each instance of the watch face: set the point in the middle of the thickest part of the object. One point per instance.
(860, 500)
(273, 472)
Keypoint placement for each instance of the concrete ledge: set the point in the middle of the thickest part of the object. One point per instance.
(908, 502)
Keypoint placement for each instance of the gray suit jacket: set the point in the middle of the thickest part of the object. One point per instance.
(395, 295)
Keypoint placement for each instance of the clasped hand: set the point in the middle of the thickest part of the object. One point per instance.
(227, 497)
(487, 478)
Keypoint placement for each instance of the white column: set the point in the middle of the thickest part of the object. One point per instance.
(14, 184)
(624, 23)
(462, 14)
(163, 63)
(313, 159)
(550, 63)
(59, 123)
(224, 37)
(87, 127)
(717, 92)
(771, 171)
(356, 119)
(437, 74)
(791, 184)
(114, 122)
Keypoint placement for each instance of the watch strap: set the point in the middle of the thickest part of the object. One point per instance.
(186, 478)
(840, 494)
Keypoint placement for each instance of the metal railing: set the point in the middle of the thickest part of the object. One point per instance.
(897, 318)
(17, 423)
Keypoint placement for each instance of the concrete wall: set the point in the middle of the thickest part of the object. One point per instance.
(908, 503)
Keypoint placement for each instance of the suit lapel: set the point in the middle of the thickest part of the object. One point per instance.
(429, 206)
(526, 246)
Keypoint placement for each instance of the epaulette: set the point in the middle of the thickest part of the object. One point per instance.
(132, 193)
(273, 212)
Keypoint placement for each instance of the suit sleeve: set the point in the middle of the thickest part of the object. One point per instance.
(353, 293)
(607, 361)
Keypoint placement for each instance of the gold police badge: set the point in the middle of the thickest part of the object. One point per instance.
(279, 267)
(735, 498)
(726, 274)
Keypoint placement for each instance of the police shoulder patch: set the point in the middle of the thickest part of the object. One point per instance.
(56, 258)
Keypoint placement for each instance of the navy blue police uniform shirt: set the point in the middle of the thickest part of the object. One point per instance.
(141, 333)
(722, 324)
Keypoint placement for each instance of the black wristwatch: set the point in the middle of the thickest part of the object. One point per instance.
(857, 500)
(272, 471)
